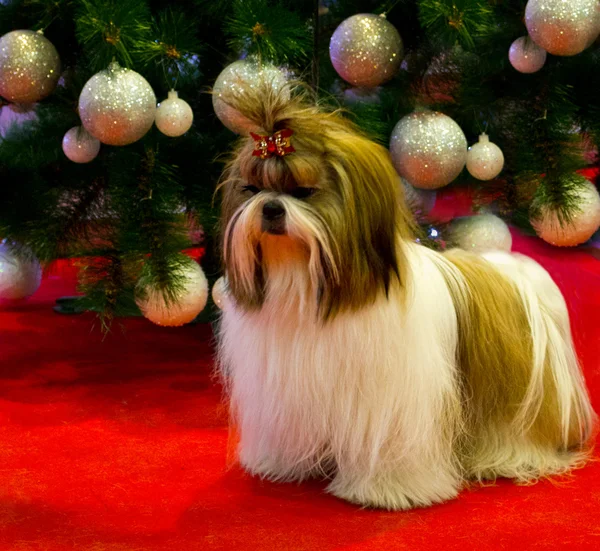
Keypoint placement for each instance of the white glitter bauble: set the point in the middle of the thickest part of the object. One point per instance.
(191, 300)
(428, 149)
(174, 116)
(583, 223)
(563, 27)
(220, 293)
(484, 232)
(117, 106)
(20, 277)
(29, 66)
(419, 201)
(366, 50)
(80, 146)
(233, 82)
(485, 159)
(526, 56)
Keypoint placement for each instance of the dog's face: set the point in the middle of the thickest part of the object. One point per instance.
(326, 218)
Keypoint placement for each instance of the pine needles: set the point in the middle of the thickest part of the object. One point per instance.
(269, 31)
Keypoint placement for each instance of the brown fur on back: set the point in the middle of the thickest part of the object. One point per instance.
(495, 356)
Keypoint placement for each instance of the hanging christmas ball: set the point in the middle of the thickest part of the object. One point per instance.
(563, 27)
(29, 66)
(220, 293)
(419, 201)
(485, 159)
(189, 303)
(117, 106)
(366, 50)
(20, 276)
(174, 116)
(80, 146)
(231, 85)
(584, 222)
(526, 56)
(428, 149)
(484, 232)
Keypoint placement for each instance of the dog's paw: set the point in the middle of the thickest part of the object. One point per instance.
(389, 495)
(275, 471)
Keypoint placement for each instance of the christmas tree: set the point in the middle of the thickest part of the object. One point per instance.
(91, 169)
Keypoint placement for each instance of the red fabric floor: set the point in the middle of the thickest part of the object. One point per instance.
(120, 444)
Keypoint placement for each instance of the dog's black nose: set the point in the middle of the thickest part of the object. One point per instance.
(272, 210)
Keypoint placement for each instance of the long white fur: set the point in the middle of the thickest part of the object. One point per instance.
(371, 398)
(365, 391)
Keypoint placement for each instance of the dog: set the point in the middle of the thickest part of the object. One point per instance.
(350, 352)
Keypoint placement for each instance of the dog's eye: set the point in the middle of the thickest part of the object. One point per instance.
(302, 192)
(252, 189)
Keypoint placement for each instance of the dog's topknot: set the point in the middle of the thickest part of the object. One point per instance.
(269, 105)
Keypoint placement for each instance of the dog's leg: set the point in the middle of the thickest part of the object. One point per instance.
(406, 414)
(417, 481)
(271, 455)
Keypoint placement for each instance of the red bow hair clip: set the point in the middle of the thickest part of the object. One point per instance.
(278, 144)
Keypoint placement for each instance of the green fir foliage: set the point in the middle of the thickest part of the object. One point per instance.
(456, 21)
(127, 214)
(110, 29)
(269, 31)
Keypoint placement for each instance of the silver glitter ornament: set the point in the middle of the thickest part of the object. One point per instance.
(484, 232)
(563, 27)
(80, 146)
(366, 50)
(233, 82)
(29, 66)
(583, 224)
(174, 116)
(526, 56)
(428, 149)
(117, 106)
(190, 302)
(485, 159)
(20, 277)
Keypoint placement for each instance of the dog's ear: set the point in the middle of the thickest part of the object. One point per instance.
(374, 226)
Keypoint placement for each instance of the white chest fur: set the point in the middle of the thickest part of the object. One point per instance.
(307, 394)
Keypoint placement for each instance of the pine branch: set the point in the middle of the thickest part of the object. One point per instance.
(174, 45)
(110, 29)
(270, 31)
(151, 225)
(560, 196)
(108, 284)
(455, 21)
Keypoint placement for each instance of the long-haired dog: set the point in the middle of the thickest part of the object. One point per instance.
(351, 352)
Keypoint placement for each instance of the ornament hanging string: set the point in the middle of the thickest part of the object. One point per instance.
(389, 7)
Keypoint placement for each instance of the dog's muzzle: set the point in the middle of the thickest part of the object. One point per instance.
(273, 218)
